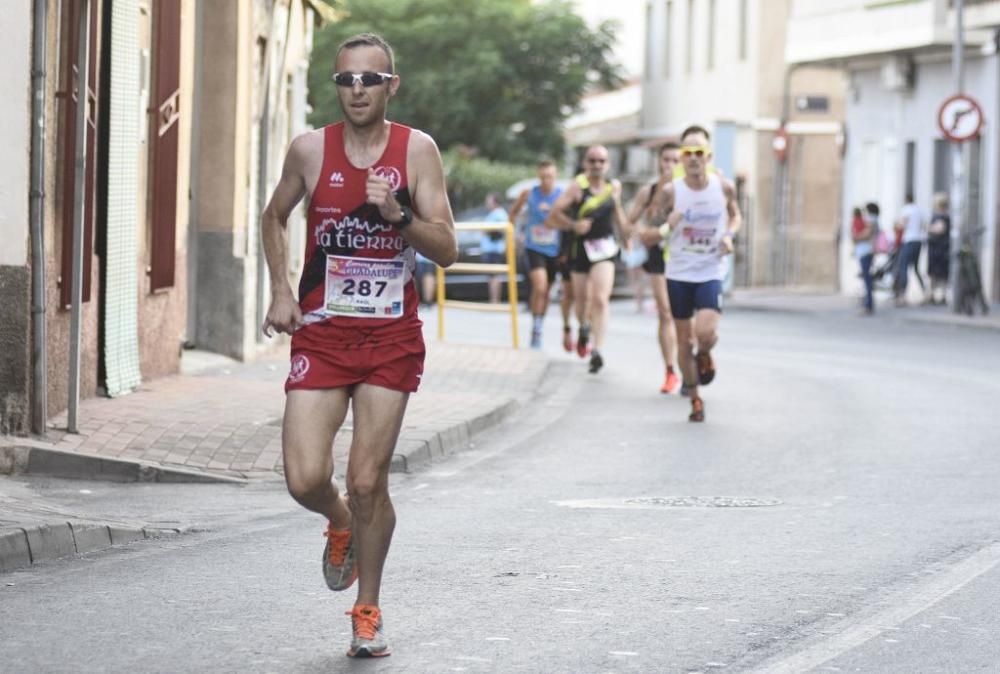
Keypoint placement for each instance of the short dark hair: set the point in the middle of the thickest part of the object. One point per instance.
(367, 40)
(909, 197)
(545, 163)
(669, 145)
(694, 128)
(872, 208)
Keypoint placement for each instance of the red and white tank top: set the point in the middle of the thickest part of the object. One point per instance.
(357, 286)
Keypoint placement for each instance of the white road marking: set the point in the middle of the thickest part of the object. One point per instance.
(623, 653)
(569, 610)
(854, 634)
(498, 638)
(422, 485)
(471, 658)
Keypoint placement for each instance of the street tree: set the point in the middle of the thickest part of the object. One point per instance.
(498, 76)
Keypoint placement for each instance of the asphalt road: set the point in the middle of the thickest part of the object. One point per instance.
(838, 511)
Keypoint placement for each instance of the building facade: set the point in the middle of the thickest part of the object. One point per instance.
(184, 111)
(721, 64)
(898, 60)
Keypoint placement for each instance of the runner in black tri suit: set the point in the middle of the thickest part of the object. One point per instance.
(590, 207)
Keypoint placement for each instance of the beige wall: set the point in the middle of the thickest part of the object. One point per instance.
(15, 135)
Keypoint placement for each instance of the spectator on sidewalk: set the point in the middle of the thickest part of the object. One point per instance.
(863, 234)
(939, 249)
(911, 225)
(492, 245)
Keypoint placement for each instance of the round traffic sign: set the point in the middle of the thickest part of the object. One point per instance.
(960, 118)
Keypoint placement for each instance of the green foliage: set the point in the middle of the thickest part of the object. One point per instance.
(470, 179)
(496, 75)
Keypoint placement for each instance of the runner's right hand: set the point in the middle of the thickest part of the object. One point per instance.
(284, 315)
(581, 227)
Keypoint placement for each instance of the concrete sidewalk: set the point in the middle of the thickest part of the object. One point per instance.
(821, 301)
(224, 424)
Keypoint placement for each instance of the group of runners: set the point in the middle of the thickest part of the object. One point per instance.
(687, 219)
(376, 197)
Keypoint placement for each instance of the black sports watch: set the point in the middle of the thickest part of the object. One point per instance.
(405, 218)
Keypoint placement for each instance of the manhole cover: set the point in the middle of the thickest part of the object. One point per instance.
(703, 502)
(657, 502)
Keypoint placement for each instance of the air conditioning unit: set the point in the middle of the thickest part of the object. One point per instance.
(898, 73)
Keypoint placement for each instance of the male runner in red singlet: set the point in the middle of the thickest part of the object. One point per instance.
(376, 195)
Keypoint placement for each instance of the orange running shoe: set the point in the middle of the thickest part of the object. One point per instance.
(368, 640)
(706, 368)
(568, 344)
(339, 567)
(670, 382)
(697, 410)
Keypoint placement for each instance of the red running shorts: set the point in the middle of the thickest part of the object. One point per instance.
(393, 366)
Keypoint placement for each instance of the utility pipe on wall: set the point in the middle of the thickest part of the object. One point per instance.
(39, 362)
(80, 200)
(957, 168)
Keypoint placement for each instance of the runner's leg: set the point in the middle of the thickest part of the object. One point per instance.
(665, 320)
(538, 300)
(581, 297)
(602, 279)
(685, 355)
(706, 329)
(312, 419)
(378, 416)
(539, 291)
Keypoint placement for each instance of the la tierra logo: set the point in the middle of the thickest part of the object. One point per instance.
(390, 173)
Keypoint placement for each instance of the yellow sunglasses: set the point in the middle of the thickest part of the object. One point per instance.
(696, 150)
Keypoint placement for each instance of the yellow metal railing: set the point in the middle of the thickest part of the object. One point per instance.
(481, 268)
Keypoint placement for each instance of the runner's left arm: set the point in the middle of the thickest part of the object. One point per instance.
(432, 231)
(735, 218)
(625, 227)
(515, 212)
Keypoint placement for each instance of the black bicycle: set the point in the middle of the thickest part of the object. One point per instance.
(970, 291)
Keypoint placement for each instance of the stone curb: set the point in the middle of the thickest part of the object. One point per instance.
(21, 547)
(414, 452)
(955, 321)
(35, 459)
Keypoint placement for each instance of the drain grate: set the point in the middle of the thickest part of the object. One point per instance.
(702, 502)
